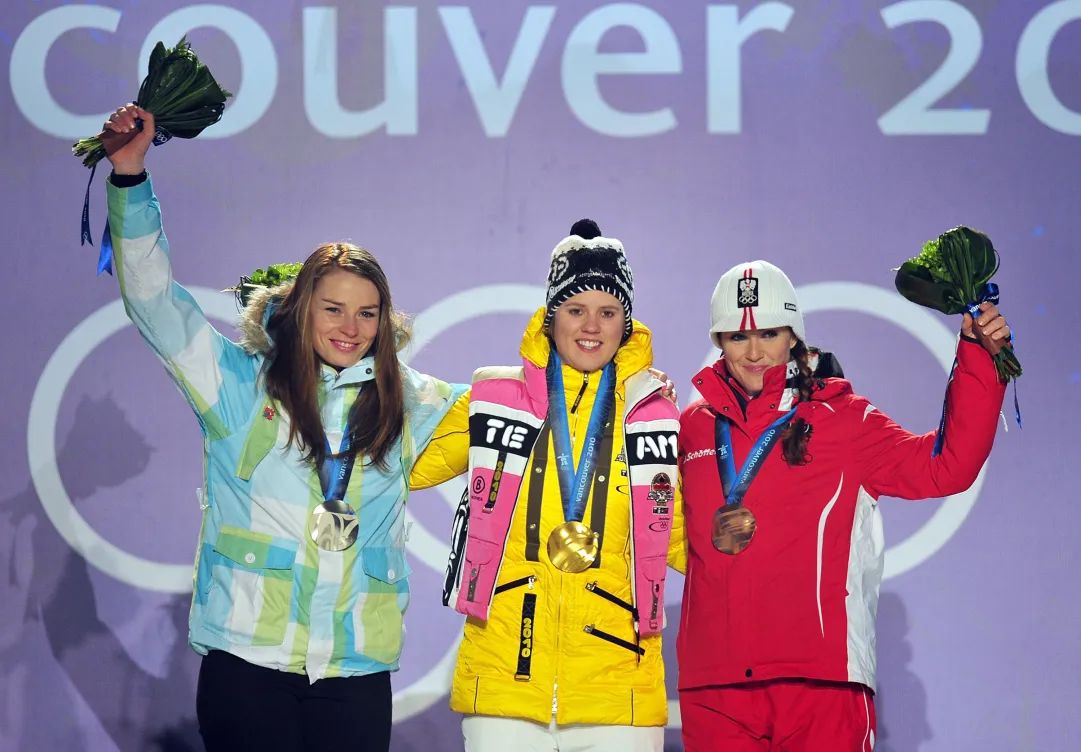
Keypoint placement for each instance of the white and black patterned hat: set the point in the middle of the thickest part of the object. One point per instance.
(585, 260)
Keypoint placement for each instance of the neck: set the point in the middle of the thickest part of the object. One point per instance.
(564, 362)
(749, 394)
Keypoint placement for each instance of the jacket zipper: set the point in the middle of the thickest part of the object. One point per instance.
(590, 629)
(516, 584)
(559, 627)
(559, 608)
(582, 391)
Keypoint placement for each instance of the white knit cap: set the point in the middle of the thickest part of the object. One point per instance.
(754, 295)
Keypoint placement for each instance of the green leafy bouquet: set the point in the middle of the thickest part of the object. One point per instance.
(183, 97)
(272, 276)
(180, 92)
(953, 275)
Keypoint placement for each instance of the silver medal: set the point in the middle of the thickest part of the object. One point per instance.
(333, 525)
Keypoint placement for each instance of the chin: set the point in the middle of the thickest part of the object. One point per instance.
(588, 365)
(337, 359)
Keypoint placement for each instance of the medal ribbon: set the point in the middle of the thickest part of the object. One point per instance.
(574, 486)
(334, 472)
(735, 487)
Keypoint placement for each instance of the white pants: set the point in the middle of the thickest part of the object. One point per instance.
(485, 733)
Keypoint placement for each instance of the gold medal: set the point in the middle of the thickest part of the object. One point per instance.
(733, 528)
(572, 547)
(333, 526)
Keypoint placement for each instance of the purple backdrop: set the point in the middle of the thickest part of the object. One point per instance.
(701, 136)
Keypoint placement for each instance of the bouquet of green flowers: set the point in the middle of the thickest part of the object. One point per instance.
(179, 90)
(184, 99)
(953, 275)
(272, 276)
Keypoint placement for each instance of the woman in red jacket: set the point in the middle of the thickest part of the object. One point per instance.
(777, 634)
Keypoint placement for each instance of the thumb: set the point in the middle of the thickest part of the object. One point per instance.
(146, 135)
(966, 325)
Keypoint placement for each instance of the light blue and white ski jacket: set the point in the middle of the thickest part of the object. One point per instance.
(263, 590)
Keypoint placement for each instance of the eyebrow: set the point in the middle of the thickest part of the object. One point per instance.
(342, 305)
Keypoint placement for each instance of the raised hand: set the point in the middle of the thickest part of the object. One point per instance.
(990, 328)
(130, 158)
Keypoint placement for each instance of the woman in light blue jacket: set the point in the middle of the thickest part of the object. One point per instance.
(301, 575)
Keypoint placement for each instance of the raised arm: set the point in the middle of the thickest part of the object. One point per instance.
(215, 375)
(895, 462)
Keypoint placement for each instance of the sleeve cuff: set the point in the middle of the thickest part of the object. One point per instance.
(127, 181)
(973, 357)
(133, 188)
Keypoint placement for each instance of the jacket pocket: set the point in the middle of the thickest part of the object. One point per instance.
(611, 638)
(515, 584)
(251, 587)
(503, 646)
(597, 590)
(523, 586)
(380, 606)
(651, 602)
(481, 563)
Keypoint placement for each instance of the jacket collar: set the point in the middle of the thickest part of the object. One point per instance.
(633, 356)
(361, 371)
(779, 391)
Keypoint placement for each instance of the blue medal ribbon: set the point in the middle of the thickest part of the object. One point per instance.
(989, 294)
(334, 472)
(735, 486)
(574, 486)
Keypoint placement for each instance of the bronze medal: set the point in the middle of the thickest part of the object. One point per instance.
(733, 528)
(333, 526)
(573, 547)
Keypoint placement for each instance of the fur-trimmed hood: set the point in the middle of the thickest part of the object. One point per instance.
(254, 316)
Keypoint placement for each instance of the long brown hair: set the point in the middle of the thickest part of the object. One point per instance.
(292, 366)
(797, 433)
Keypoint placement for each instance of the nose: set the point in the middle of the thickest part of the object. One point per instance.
(350, 327)
(754, 349)
(592, 324)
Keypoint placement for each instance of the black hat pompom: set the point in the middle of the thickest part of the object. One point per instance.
(586, 229)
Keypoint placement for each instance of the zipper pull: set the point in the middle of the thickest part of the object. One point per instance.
(532, 579)
(578, 399)
(474, 575)
(592, 586)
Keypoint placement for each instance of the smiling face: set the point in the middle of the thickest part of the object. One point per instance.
(748, 355)
(344, 317)
(588, 329)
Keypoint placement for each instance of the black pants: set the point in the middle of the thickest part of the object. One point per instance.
(242, 706)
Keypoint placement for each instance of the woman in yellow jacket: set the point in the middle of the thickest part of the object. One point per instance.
(569, 521)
